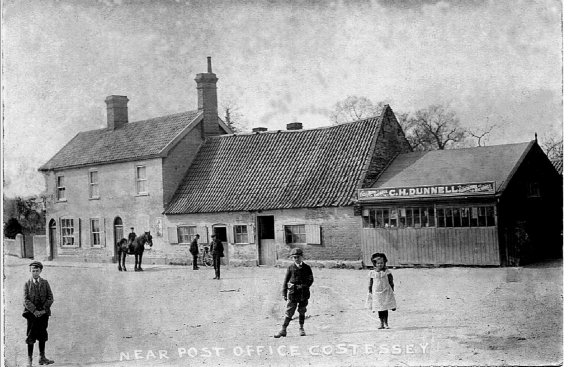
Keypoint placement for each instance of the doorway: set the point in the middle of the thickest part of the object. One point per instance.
(266, 240)
(221, 234)
(51, 239)
(117, 235)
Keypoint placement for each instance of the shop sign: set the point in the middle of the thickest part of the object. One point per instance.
(480, 188)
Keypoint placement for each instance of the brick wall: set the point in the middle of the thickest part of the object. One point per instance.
(339, 233)
(390, 143)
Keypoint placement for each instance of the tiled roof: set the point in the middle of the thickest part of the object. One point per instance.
(135, 140)
(277, 169)
(558, 165)
(469, 165)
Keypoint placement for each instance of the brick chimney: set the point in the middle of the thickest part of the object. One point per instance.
(117, 115)
(294, 126)
(207, 100)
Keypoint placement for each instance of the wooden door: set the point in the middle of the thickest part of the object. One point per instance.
(266, 240)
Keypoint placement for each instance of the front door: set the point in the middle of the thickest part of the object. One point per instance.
(52, 239)
(117, 234)
(222, 234)
(266, 240)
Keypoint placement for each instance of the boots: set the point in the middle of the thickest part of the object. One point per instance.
(282, 332)
(29, 361)
(43, 360)
(301, 321)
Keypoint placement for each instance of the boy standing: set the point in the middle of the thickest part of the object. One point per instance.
(217, 252)
(37, 301)
(296, 290)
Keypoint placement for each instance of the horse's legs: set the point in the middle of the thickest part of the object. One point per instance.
(124, 257)
(140, 259)
(119, 260)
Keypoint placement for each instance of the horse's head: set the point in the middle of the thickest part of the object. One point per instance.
(122, 242)
(148, 238)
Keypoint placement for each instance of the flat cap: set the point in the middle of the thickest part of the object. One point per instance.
(297, 252)
(36, 264)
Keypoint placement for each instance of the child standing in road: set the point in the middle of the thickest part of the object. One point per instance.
(37, 301)
(381, 289)
(296, 291)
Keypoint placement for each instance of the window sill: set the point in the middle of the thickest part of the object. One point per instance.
(242, 243)
(142, 194)
(61, 201)
(98, 246)
(95, 198)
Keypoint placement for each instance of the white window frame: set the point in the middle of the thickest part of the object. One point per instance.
(291, 227)
(241, 236)
(94, 184)
(67, 232)
(60, 188)
(95, 234)
(141, 180)
(183, 238)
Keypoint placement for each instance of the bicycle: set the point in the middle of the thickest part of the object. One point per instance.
(206, 258)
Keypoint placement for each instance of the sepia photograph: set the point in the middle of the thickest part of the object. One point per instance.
(283, 183)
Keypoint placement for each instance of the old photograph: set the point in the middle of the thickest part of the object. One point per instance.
(283, 183)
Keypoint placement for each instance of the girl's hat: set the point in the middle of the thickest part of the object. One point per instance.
(378, 255)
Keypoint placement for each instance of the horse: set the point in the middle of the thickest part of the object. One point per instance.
(136, 248)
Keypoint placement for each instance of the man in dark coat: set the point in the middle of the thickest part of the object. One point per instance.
(217, 252)
(131, 238)
(37, 301)
(194, 250)
(296, 290)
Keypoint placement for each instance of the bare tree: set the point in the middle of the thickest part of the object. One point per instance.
(355, 108)
(433, 128)
(481, 134)
(233, 117)
(553, 146)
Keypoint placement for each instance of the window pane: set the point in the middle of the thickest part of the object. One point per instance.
(409, 214)
(402, 217)
(464, 217)
(417, 217)
(140, 173)
(372, 218)
(481, 216)
(448, 217)
(490, 210)
(241, 234)
(393, 217)
(366, 222)
(456, 217)
(431, 212)
(473, 217)
(295, 233)
(185, 234)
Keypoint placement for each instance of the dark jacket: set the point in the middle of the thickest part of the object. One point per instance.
(37, 298)
(216, 248)
(193, 249)
(297, 282)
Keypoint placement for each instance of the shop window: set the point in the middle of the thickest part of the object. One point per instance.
(473, 217)
(241, 234)
(295, 233)
(185, 234)
(440, 217)
(417, 217)
(490, 216)
(464, 212)
(481, 215)
(402, 218)
(67, 232)
(60, 188)
(95, 232)
(393, 218)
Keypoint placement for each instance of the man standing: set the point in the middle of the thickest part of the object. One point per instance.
(37, 301)
(217, 252)
(194, 250)
(296, 290)
(132, 237)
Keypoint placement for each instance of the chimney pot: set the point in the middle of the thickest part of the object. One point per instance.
(117, 114)
(294, 126)
(259, 129)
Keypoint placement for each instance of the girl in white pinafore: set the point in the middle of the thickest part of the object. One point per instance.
(381, 289)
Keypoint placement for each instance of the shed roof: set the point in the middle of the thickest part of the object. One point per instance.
(132, 141)
(469, 165)
(278, 169)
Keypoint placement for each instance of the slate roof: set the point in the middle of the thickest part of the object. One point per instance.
(469, 165)
(278, 169)
(133, 141)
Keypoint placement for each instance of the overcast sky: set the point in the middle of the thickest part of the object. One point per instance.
(493, 62)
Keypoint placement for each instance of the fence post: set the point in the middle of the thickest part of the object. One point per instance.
(19, 242)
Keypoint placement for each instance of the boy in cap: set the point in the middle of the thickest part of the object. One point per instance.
(296, 290)
(37, 301)
(217, 252)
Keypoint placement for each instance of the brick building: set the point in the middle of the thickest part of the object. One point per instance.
(105, 181)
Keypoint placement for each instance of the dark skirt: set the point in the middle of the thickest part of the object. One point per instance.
(36, 329)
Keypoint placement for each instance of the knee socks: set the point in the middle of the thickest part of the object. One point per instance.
(41, 347)
(30, 349)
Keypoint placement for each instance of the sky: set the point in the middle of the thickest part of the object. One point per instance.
(492, 62)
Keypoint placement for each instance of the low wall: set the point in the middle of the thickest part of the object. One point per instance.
(13, 247)
(39, 246)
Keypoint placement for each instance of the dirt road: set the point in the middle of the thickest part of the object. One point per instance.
(173, 316)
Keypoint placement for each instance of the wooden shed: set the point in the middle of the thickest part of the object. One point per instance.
(485, 206)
